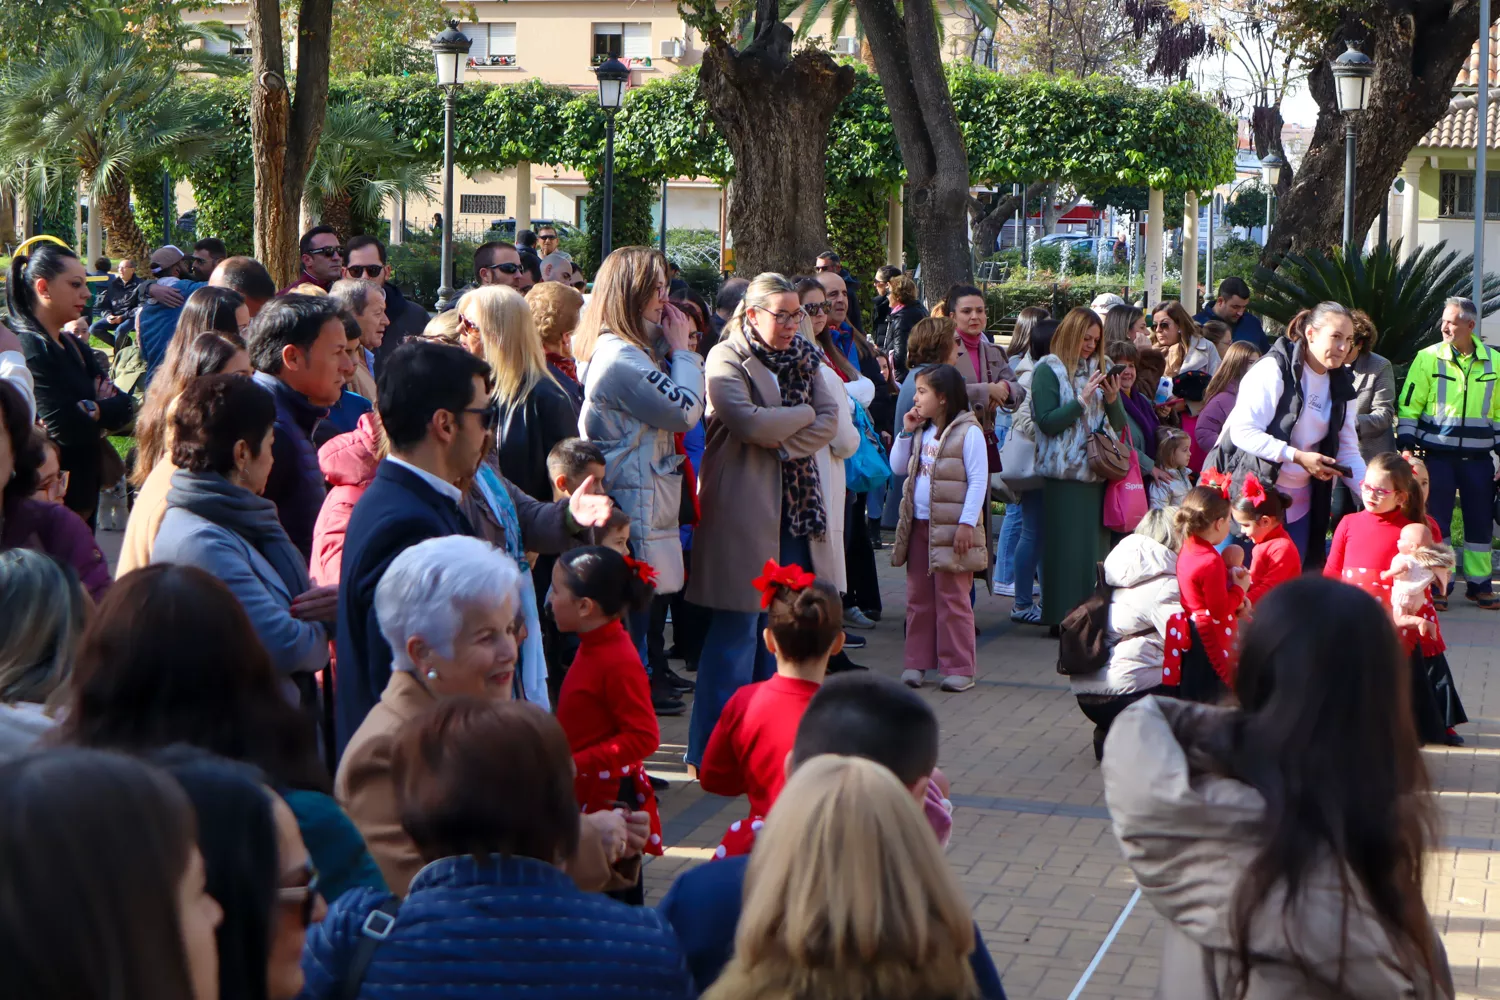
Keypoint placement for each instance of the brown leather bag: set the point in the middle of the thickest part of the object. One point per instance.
(1109, 457)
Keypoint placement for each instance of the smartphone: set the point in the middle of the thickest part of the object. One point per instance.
(1343, 470)
(1114, 370)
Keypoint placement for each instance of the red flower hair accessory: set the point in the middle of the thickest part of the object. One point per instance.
(773, 577)
(642, 570)
(1253, 490)
(1215, 480)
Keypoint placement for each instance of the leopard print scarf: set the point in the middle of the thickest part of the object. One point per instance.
(801, 492)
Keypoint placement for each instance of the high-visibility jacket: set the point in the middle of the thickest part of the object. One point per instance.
(1449, 404)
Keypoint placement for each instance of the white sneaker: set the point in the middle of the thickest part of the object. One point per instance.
(911, 678)
(1004, 590)
(855, 618)
(954, 683)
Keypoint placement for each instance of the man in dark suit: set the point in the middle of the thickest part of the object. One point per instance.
(853, 714)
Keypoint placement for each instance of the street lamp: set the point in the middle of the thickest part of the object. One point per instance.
(612, 75)
(450, 52)
(1270, 176)
(1351, 77)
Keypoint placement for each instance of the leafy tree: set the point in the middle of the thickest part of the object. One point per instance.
(1248, 208)
(102, 101)
(377, 37)
(359, 164)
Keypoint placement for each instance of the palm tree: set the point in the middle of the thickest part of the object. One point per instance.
(103, 100)
(359, 165)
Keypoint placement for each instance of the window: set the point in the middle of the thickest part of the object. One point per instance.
(1456, 195)
(637, 42)
(492, 44)
(481, 204)
(239, 47)
(630, 42)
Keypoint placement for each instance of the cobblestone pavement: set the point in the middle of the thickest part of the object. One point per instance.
(1031, 837)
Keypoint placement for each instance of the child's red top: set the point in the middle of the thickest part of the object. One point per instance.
(746, 754)
(1275, 560)
(1363, 546)
(605, 710)
(1203, 579)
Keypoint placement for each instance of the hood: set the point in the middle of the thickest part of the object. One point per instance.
(350, 459)
(1135, 560)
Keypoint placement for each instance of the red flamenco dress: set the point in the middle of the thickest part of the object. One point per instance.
(605, 710)
(747, 751)
(1363, 546)
(1200, 651)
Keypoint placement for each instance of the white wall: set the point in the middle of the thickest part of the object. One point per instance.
(1460, 236)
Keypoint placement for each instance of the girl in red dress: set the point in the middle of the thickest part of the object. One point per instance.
(1261, 517)
(605, 702)
(1211, 599)
(747, 752)
(1363, 546)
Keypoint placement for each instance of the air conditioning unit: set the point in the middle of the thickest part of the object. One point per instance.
(846, 45)
(670, 48)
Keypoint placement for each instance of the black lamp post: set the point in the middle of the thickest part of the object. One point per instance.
(450, 52)
(612, 75)
(1351, 77)
(1270, 175)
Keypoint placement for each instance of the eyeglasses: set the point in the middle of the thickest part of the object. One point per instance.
(488, 415)
(304, 896)
(55, 486)
(329, 252)
(815, 308)
(785, 318)
(503, 268)
(1377, 492)
(364, 270)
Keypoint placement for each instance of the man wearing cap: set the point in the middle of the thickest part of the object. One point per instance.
(157, 321)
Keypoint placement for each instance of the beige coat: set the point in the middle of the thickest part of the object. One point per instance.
(996, 368)
(739, 486)
(950, 482)
(830, 461)
(145, 518)
(1189, 836)
(362, 381)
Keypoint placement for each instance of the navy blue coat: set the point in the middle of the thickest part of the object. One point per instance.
(295, 485)
(1248, 329)
(504, 927)
(703, 907)
(399, 510)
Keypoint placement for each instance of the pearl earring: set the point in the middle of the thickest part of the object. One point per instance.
(432, 675)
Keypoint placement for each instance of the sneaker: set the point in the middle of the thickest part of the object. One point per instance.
(1452, 738)
(873, 615)
(854, 641)
(954, 683)
(663, 698)
(911, 678)
(658, 784)
(855, 618)
(1004, 590)
(673, 679)
(1027, 616)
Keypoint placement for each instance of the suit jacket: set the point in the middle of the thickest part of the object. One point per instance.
(399, 510)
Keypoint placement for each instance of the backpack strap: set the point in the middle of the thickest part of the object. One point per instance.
(377, 927)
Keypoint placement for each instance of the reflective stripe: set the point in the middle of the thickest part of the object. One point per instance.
(1406, 425)
(1489, 385)
(1442, 386)
(1476, 547)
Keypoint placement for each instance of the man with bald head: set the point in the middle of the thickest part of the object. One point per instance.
(247, 276)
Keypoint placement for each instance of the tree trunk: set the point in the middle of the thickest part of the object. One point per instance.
(1265, 132)
(335, 212)
(1417, 49)
(8, 205)
(284, 132)
(989, 224)
(118, 219)
(774, 110)
(910, 63)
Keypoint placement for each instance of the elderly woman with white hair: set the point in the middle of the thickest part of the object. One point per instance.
(450, 610)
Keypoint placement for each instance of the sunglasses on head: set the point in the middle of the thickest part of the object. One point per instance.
(304, 897)
(364, 270)
(503, 268)
(329, 252)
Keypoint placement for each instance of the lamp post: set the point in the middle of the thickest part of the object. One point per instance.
(1270, 176)
(450, 52)
(1351, 78)
(612, 76)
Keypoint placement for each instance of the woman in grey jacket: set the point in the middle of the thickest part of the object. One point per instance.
(217, 520)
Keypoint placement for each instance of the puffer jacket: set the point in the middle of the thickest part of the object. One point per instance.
(1189, 836)
(499, 927)
(295, 484)
(631, 410)
(1143, 572)
(348, 463)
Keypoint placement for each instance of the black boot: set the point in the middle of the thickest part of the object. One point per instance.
(672, 678)
(664, 697)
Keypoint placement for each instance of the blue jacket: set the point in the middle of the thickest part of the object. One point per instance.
(295, 485)
(503, 927)
(156, 324)
(398, 510)
(1248, 329)
(703, 907)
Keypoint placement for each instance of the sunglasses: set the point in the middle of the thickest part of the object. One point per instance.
(488, 415)
(364, 270)
(503, 268)
(825, 267)
(329, 252)
(547, 236)
(305, 896)
(815, 308)
(1163, 325)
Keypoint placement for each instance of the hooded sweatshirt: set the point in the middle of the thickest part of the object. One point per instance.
(1144, 575)
(348, 463)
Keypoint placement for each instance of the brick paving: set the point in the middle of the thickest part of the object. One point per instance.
(1031, 837)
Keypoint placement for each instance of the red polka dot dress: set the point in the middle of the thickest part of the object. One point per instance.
(1212, 604)
(605, 710)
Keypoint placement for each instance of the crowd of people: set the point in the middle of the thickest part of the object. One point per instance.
(377, 561)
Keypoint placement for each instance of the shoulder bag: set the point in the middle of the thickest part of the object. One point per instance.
(1109, 458)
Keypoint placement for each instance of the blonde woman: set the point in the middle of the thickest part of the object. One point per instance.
(817, 926)
(1174, 333)
(535, 413)
(555, 309)
(642, 385)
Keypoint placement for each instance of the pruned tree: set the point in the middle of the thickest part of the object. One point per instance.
(285, 129)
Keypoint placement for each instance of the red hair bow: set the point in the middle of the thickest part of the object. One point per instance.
(1215, 480)
(644, 571)
(1253, 490)
(774, 576)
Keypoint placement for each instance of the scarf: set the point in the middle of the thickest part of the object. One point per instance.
(1141, 410)
(971, 345)
(801, 493)
(836, 369)
(253, 518)
(533, 660)
(564, 364)
(843, 339)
